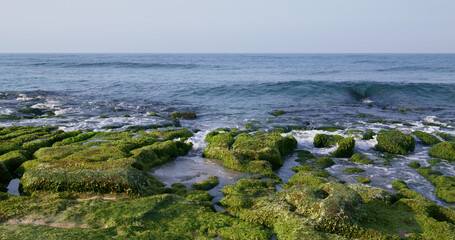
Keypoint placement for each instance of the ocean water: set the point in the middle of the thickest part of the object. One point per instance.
(231, 90)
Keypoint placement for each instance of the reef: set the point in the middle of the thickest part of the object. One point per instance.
(316, 205)
(256, 154)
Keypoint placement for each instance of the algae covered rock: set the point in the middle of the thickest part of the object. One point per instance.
(363, 180)
(345, 148)
(426, 138)
(399, 184)
(324, 140)
(249, 153)
(369, 134)
(118, 165)
(395, 142)
(207, 184)
(361, 158)
(444, 150)
(189, 115)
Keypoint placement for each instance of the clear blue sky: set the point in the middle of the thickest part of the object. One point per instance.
(228, 26)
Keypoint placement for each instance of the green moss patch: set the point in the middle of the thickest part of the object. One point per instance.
(207, 184)
(361, 158)
(363, 180)
(395, 142)
(444, 150)
(445, 185)
(353, 170)
(189, 115)
(414, 164)
(118, 165)
(324, 140)
(426, 138)
(278, 113)
(248, 153)
(345, 148)
(157, 217)
(446, 137)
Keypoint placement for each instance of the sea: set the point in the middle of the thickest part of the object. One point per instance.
(407, 92)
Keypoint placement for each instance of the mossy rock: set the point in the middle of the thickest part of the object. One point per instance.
(14, 159)
(330, 128)
(303, 156)
(361, 158)
(166, 216)
(345, 148)
(278, 113)
(370, 193)
(116, 166)
(395, 142)
(207, 184)
(369, 134)
(399, 184)
(446, 137)
(324, 162)
(414, 164)
(426, 138)
(445, 188)
(323, 140)
(363, 180)
(188, 115)
(444, 150)
(249, 153)
(353, 170)
(5, 176)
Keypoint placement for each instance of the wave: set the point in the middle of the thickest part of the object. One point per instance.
(116, 65)
(416, 68)
(361, 92)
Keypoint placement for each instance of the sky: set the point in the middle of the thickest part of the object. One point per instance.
(227, 26)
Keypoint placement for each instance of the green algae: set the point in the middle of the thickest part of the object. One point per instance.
(323, 140)
(207, 184)
(444, 150)
(414, 164)
(399, 184)
(426, 138)
(395, 142)
(369, 134)
(117, 165)
(446, 137)
(249, 153)
(324, 162)
(157, 217)
(278, 113)
(353, 170)
(445, 185)
(363, 180)
(345, 148)
(361, 158)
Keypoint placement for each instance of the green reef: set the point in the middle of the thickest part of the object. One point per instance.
(316, 205)
(255, 154)
(98, 185)
(395, 142)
